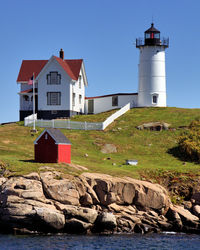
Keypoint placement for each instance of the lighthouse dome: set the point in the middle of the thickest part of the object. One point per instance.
(152, 36)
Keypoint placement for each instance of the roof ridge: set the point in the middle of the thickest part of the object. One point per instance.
(67, 69)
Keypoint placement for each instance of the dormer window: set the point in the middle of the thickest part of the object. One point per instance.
(53, 78)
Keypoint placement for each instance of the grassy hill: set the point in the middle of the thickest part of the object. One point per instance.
(150, 148)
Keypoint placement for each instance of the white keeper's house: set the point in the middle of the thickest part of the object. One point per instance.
(60, 83)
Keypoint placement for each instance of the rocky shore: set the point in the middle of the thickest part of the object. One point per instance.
(91, 203)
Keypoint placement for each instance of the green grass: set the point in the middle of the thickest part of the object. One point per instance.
(150, 148)
(93, 118)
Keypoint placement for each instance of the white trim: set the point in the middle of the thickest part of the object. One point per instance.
(44, 68)
(84, 74)
(23, 82)
(47, 65)
(26, 93)
(36, 140)
(46, 130)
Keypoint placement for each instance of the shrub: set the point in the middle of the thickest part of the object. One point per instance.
(189, 142)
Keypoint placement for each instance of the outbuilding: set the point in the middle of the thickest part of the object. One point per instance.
(52, 146)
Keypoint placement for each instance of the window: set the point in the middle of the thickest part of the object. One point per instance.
(25, 98)
(73, 99)
(155, 99)
(53, 78)
(115, 101)
(53, 98)
(54, 112)
(147, 35)
(79, 82)
(80, 97)
(46, 136)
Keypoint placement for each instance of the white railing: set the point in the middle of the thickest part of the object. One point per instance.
(114, 116)
(67, 124)
(29, 120)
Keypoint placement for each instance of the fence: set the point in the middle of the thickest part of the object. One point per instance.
(67, 124)
(114, 116)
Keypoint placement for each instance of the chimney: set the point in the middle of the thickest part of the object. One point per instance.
(62, 54)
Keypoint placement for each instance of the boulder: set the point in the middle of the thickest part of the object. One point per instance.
(155, 126)
(106, 221)
(185, 214)
(88, 190)
(52, 218)
(2, 180)
(85, 214)
(75, 226)
(118, 209)
(86, 200)
(17, 209)
(128, 191)
(150, 196)
(64, 191)
(165, 226)
(22, 187)
(109, 148)
(174, 217)
(182, 218)
(196, 210)
(124, 225)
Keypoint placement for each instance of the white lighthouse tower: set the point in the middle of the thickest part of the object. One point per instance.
(152, 79)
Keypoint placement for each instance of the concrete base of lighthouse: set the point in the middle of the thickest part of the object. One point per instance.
(152, 99)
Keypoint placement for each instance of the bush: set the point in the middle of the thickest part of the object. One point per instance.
(189, 142)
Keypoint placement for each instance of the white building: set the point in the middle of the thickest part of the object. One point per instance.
(59, 87)
(152, 79)
(99, 104)
(151, 82)
(60, 84)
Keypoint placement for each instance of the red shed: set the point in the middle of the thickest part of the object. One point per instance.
(52, 146)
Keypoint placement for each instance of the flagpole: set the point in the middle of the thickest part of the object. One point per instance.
(33, 103)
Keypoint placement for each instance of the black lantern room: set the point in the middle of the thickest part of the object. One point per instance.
(152, 36)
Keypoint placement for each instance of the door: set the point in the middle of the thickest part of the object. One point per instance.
(91, 106)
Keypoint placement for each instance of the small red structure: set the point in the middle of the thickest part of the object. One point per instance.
(52, 146)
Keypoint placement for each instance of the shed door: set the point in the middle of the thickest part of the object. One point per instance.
(90, 106)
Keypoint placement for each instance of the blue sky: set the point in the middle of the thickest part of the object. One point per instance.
(102, 32)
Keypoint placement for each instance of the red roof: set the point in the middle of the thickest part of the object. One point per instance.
(28, 91)
(71, 67)
(28, 67)
(94, 97)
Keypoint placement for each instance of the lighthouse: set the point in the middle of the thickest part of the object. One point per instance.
(152, 77)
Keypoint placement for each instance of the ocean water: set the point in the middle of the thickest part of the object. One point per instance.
(57, 242)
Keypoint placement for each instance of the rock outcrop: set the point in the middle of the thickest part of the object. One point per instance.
(154, 126)
(90, 203)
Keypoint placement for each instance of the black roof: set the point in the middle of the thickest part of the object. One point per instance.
(152, 29)
(58, 136)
